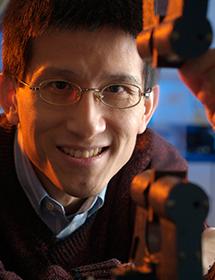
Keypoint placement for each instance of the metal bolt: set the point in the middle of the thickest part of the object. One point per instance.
(175, 36)
(170, 203)
(182, 255)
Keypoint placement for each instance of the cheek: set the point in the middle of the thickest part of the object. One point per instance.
(27, 110)
(35, 116)
(129, 124)
(33, 126)
(135, 121)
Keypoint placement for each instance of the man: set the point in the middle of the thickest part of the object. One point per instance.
(73, 135)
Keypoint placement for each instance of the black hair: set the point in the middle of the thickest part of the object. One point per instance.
(25, 20)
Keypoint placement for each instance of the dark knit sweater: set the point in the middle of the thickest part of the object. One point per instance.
(29, 249)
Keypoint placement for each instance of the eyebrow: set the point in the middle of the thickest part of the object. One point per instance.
(118, 77)
(124, 78)
(57, 71)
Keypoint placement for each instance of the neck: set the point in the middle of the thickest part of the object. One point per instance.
(71, 203)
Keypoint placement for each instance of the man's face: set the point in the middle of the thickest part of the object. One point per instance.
(80, 147)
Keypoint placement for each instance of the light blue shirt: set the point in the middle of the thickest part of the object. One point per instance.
(49, 210)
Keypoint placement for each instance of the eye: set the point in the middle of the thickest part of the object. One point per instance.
(59, 92)
(116, 89)
(61, 84)
(58, 86)
(121, 89)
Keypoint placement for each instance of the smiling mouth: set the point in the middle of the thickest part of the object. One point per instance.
(84, 153)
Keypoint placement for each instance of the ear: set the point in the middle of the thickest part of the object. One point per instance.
(151, 104)
(8, 99)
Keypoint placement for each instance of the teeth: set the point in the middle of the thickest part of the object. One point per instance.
(77, 154)
(86, 154)
(96, 151)
(81, 154)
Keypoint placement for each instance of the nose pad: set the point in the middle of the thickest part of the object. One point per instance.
(95, 91)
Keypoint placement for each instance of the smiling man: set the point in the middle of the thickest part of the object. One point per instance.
(73, 135)
(80, 145)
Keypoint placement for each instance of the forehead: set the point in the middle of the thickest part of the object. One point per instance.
(86, 54)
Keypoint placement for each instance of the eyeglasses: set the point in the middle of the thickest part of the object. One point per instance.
(62, 92)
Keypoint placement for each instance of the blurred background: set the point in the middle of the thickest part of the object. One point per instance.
(180, 118)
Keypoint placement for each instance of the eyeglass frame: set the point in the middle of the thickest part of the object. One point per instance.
(96, 91)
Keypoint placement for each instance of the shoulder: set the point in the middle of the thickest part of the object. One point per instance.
(7, 134)
(153, 151)
(165, 156)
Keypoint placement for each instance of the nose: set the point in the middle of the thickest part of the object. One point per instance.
(87, 117)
